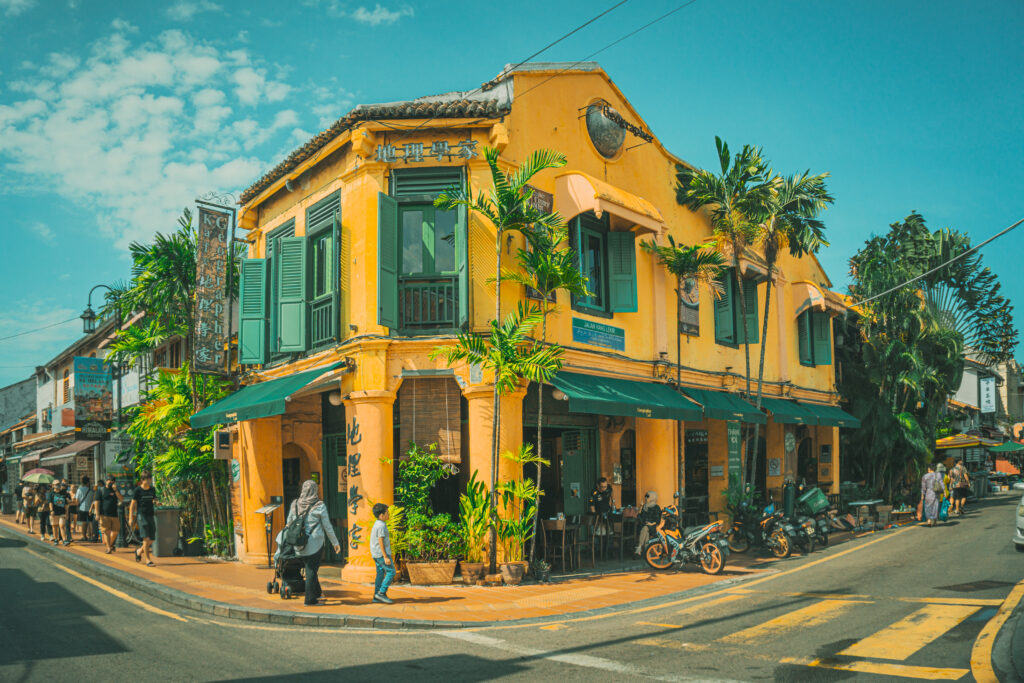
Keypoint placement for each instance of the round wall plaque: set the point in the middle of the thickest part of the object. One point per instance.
(606, 135)
(790, 442)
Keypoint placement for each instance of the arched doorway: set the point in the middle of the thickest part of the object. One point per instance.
(627, 463)
(761, 475)
(292, 467)
(806, 463)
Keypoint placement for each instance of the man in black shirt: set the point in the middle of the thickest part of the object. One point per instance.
(19, 490)
(59, 501)
(143, 508)
(601, 504)
(104, 507)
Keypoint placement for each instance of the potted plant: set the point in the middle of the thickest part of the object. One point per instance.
(515, 523)
(541, 571)
(474, 512)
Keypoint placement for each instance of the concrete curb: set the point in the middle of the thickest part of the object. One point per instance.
(1008, 649)
(226, 610)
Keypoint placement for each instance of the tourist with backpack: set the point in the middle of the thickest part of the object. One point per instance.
(961, 485)
(305, 529)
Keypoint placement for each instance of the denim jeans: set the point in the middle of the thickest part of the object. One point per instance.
(385, 574)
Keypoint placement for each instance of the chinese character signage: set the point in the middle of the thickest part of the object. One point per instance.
(418, 152)
(734, 434)
(94, 398)
(987, 394)
(211, 273)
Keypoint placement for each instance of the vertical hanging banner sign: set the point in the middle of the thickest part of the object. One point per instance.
(734, 434)
(211, 272)
(94, 398)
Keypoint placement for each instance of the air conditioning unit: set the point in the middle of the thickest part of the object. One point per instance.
(222, 440)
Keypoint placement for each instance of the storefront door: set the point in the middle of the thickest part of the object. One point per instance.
(579, 469)
(335, 474)
(696, 462)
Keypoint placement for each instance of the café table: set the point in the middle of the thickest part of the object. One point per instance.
(871, 505)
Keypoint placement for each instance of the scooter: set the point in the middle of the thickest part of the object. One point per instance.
(767, 530)
(701, 545)
(803, 531)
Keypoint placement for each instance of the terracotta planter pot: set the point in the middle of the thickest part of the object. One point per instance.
(431, 573)
(512, 573)
(473, 571)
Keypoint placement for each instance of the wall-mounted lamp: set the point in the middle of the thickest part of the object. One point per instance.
(334, 398)
(559, 395)
(288, 184)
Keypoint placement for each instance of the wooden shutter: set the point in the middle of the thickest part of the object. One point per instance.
(803, 325)
(292, 306)
(822, 332)
(430, 412)
(387, 261)
(622, 272)
(462, 266)
(414, 182)
(750, 302)
(252, 312)
(725, 328)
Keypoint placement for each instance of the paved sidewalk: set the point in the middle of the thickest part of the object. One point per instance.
(236, 585)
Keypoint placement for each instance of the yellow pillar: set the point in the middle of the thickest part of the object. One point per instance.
(259, 455)
(370, 434)
(656, 464)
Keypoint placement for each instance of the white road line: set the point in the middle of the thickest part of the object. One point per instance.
(581, 660)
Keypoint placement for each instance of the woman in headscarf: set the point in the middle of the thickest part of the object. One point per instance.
(318, 524)
(931, 495)
(649, 517)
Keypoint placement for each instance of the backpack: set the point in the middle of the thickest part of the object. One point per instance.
(937, 486)
(295, 533)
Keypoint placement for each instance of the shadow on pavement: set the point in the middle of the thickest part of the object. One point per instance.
(460, 667)
(46, 621)
(6, 542)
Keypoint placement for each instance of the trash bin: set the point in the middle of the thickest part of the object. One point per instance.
(166, 531)
(7, 503)
(788, 499)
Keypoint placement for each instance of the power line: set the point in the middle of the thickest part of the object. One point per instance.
(38, 329)
(940, 267)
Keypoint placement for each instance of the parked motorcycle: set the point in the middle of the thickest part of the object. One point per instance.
(701, 545)
(814, 503)
(763, 530)
(803, 531)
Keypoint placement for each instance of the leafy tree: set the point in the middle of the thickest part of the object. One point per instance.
(697, 266)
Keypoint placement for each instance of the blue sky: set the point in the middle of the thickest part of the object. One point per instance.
(115, 115)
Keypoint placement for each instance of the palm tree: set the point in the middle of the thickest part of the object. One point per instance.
(508, 207)
(512, 355)
(697, 265)
(794, 204)
(547, 267)
(736, 202)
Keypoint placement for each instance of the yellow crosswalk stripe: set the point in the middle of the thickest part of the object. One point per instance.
(807, 617)
(908, 635)
(928, 673)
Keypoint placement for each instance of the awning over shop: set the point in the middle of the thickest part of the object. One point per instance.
(719, 405)
(786, 411)
(71, 450)
(623, 397)
(577, 193)
(1008, 447)
(33, 456)
(831, 416)
(257, 400)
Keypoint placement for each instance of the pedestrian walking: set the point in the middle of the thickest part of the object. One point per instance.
(380, 551)
(19, 513)
(143, 508)
(104, 508)
(649, 517)
(931, 495)
(940, 472)
(43, 496)
(83, 501)
(59, 502)
(318, 526)
(28, 498)
(961, 485)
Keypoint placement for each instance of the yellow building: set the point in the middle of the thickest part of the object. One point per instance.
(353, 277)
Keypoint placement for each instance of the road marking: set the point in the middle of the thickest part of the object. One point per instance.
(580, 660)
(671, 644)
(553, 627)
(112, 591)
(929, 673)
(980, 602)
(713, 603)
(807, 617)
(981, 652)
(654, 623)
(910, 634)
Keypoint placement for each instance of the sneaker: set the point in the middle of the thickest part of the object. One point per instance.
(378, 597)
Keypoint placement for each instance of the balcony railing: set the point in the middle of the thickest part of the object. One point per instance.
(323, 319)
(428, 304)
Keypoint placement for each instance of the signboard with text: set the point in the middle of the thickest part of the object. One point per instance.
(211, 274)
(734, 435)
(94, 398)
(598, 334)
(987, 394)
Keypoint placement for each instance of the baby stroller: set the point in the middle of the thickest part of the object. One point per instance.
(289, 572)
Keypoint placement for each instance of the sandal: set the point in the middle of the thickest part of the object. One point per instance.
(150, 564)
(138, 555)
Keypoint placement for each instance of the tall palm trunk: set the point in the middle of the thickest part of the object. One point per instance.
(540, 414)
(760, 367)
(496, 433)
(743, 315)
(679, 382)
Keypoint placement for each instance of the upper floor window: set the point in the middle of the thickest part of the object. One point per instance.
(729, 314)
(608, 260)
(814, 338)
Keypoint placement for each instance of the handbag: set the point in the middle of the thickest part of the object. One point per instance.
(944, 510)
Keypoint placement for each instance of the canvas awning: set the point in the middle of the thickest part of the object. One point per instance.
(33, 456)
(66, 455)
(787, 411)
(831, 416)
(1008, 447)
(258, 400)
(577, 193)
(720, 405)
(623, 397)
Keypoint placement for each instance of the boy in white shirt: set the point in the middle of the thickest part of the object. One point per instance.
(380, 551)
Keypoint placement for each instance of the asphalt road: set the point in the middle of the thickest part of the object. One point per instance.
(907, 604)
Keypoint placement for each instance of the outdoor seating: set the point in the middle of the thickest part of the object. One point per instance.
(558, 542)
(585, 540)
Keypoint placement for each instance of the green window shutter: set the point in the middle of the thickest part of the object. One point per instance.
(725, 318)
(432, 180)
(252, 312)
(336, 273)
(750, 302)
(803, 326)
(822, 329)
(462, 266)
(387, 261)
(292, 307)
(622, 272)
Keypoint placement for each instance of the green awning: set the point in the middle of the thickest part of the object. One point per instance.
(1008, 447)
(623, 397)
(832, 416)
(257, 400)
(719, 405)
(786, 411)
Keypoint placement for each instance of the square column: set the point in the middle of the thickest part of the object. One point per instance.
(258, 451)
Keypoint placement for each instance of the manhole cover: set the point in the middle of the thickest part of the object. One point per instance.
(975, 586)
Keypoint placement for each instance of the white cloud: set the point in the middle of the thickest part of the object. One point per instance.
(123, 26)
(13, 8)
(380, 15)
(56, 327)
(42, 231)
(184, 10)
(132, 131)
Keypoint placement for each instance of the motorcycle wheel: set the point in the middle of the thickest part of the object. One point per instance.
(738, 541)
(810, 545)
(778, 543)
(657, 557)
(823, 539)
(711, 559)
